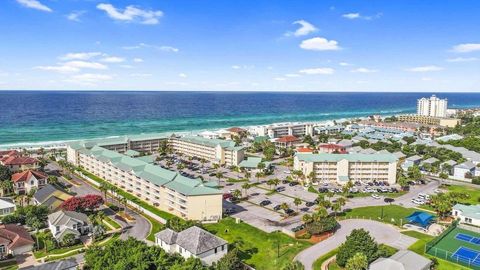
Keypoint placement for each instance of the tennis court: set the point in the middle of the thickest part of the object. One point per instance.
(457, 245)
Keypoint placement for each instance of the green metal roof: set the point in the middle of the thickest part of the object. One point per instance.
(148, 159)
(154, 174)
(472, 211)
(324, 157)
(132, 153)
(211, 142)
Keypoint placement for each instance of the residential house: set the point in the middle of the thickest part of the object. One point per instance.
(24, 182)
(16, 163)
(287, 141)
(449, 164)
(401, 156)
(251, 165)
(331, 148)
(7, 207)
(51, 197)
(193, 242)
(63, 222)
(411, 161)
(402, 260)
(469, 214)
(464, 171)
(14, 240)
(345, 143)
(67, 264)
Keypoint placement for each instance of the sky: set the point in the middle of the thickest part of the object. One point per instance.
(240, 45)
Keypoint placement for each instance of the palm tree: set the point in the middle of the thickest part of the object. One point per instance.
(236, 193)
(297, 202)
(104, 187)
(219, 176)
(245, 187)
(270, 183)
(284, 206)
(248, 175)
(276, 181)
(307, 218)
(36, 224)
(261, 166)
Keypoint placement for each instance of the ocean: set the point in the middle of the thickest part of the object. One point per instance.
(49, 116)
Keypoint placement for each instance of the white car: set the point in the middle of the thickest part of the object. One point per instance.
(287, 172)
(417, 201)
(375, 196)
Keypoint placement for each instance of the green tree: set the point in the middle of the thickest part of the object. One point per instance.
(5, 173)
(357, 262)
(295, 265)
(245, 187)
(297, 202)
(231, 261)
(68, 240)
(359, 240)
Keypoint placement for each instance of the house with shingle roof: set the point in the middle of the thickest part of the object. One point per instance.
(63, 222)
(15, 240)
(51, 197)
(193, 242)
(24, 182)
(6, 206)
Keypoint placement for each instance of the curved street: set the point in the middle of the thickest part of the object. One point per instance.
(383, 234)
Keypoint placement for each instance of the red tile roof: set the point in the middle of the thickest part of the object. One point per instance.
(288, 138)
(331, 146)
(17, 160)
(15, 236)
(24, 176)
(304, 150)
(9, 153)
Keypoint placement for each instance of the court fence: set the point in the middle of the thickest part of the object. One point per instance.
(454, 257)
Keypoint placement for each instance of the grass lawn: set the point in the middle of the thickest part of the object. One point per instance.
(112, 223)
(473, 193)
(156, 227)
(318, 263)
(419, 248)
(258, 248)
(131, 197)
(392, 214)
(41, 253)
(9, 265)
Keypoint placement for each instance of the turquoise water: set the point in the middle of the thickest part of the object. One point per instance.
(39, 116)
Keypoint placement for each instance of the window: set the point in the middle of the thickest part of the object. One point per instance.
(215, 250)
(3, 249)
(223, 247)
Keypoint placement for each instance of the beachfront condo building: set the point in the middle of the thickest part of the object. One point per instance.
(285, 129)
(169, 191)
(432, 106)
(218, 151)
(341, 168)
(430, 120)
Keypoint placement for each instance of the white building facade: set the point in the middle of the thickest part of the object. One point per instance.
(432, 106)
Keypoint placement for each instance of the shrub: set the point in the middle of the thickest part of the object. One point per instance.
(358, 241)
(322, 225)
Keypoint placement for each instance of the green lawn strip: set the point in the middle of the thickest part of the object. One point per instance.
(155, 227)
(41, 253)
(419, 248)
(131, 197)
(392, 214)
(317, 265)
(258, 248)
(9, 265)
(112, 223)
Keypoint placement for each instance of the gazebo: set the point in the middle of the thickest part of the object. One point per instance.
(421, 218)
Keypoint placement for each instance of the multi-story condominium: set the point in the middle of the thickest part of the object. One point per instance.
(167, 190)
(341, 168)
(214, 150)
(432, 106)
(430, 120)
(285, 129)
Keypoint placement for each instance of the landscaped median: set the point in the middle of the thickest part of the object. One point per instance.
(261, 250)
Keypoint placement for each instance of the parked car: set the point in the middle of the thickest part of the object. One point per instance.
(265, 202)
(293, 184)
(277, 207)
(417, 201)
(280, 189)
(309, 204)
(289, 211)
(375, 196)
(229, 211)
(227, 196)
(388, 200)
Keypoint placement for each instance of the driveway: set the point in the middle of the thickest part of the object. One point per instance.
(383, 234)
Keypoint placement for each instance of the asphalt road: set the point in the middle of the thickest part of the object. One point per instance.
(383, 234)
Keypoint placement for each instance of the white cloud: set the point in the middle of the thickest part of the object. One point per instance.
(466, 47)
(319, 44)
(462, 59)
(182, 75)
(113, 59)
(131, 14)
(358, 16)
(317, 71)
(363, 70)
(80, 55)
(425, 68)
(280, 79)
(73, 66)
(292, 75)
(345, 64)
(236, 67)
(75, 16)
(305, 29)
(243, 67)
(137, 60)
(34, 4)
(144, 45)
